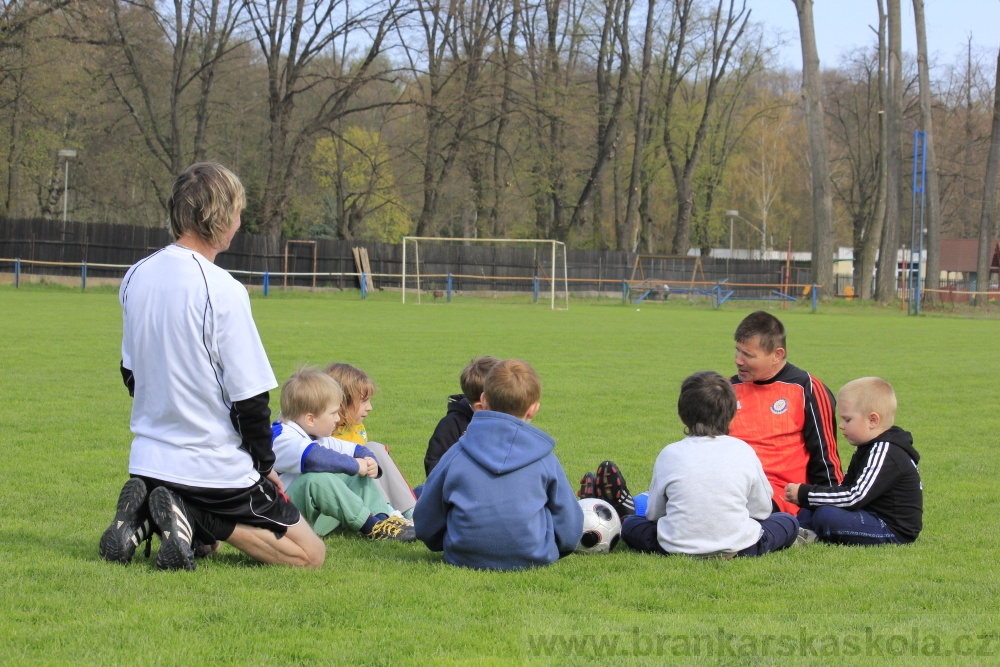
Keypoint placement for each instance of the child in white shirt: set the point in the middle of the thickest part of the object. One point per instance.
(331, 481)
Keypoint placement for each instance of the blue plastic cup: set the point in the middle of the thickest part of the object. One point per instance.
(640, 503)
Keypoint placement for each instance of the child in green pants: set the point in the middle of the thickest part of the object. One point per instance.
(330, 481)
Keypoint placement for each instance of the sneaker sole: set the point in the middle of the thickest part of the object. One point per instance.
(119, 541)
(169, 514)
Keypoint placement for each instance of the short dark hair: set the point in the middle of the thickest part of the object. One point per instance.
(707, 404)
(512, 386)
(768, 328)
(474, 376)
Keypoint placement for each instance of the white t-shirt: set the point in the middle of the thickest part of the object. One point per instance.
(292, 442)
(705, 495)
(191, 342)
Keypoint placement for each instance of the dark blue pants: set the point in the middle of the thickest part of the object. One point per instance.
(778, 532)
(840, 526)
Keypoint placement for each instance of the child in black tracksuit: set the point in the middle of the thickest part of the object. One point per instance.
(881, 498)
(460, 409)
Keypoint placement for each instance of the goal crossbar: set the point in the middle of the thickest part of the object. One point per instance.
(415, 240)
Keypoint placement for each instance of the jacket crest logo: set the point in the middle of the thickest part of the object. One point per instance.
(780, 406)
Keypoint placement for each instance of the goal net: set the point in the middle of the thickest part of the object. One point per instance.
(496, 268)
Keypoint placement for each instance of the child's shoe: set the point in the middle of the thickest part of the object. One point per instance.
(399, 517)
(392, 529)
(588, 486)
(130, 527)
(805, 536)
(169, 513)
(612, 488)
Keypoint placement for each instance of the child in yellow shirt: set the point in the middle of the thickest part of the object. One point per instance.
(358, 391)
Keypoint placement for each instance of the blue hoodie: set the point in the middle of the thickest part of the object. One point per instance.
(498, 499)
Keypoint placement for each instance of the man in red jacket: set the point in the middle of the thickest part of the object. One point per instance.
(783, 412)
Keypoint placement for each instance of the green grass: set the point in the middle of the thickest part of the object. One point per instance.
(611, 376)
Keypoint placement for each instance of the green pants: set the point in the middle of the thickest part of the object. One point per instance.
(328, 500)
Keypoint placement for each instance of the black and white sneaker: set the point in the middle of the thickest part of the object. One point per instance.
(131, 525)
(170, 515)
(612, 488)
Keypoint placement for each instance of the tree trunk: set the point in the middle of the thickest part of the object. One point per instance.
(885, 280)
(822, 203)
(631, 226)
(932, 197)
(987, 221)
(864, 261)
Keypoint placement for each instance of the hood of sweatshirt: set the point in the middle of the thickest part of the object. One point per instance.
(902, 439)
(458, 403)
(505, 443)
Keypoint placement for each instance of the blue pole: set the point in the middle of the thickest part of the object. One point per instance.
(449, 287)
(17, 272)
(267, 283)
(534, 289)
(815, 295)
(364, 285)
(83, 276)
(624, 291)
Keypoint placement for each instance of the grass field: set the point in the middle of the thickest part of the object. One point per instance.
(610, 375)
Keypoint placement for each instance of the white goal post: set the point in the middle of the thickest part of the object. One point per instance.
(554, 265)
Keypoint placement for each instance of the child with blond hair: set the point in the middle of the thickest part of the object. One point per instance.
(358, 390)
(331, 481)
(499, 499)
(881, 498)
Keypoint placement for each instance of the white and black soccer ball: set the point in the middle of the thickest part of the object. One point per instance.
(601, 527)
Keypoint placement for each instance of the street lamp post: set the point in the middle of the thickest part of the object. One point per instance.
(731, 214)
(66, 153)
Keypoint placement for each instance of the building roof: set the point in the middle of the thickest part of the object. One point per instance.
(962, 254)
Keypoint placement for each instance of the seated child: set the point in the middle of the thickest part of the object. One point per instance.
(499, 499)
(881, 498)
(331, 482)
(709, 496)
(460, 408)
(358, 391)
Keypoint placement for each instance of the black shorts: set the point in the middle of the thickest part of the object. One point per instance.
(214, 513)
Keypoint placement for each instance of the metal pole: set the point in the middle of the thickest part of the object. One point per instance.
(553, 307)
(404, 270)
(65, 197)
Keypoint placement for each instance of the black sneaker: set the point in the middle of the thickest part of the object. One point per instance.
(392, 529)
(612, 488)
(588, 486)
(169, 513)
(130, 527)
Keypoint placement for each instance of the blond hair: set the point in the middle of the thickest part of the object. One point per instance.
(512, 386)
(308, 391)
(357, 385)
(205, 200)
(871, 394)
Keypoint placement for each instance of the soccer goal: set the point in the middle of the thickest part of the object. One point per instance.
(497, 268)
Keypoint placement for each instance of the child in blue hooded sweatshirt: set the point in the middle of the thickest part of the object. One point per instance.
(499, 499)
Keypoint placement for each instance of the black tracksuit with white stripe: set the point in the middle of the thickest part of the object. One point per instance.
(882, 479)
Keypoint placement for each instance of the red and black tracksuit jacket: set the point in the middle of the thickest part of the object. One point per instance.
(789, 421)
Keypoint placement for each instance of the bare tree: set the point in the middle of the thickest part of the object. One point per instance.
(307, 47)
(819, 162)
(987, 221)
(932, 197)
(156, 85)
(726, 26)
(629, 238)
(885, 279)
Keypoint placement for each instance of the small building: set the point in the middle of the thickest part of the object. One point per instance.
(958, 267)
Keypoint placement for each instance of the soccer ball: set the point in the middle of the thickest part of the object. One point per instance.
(601, 527)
